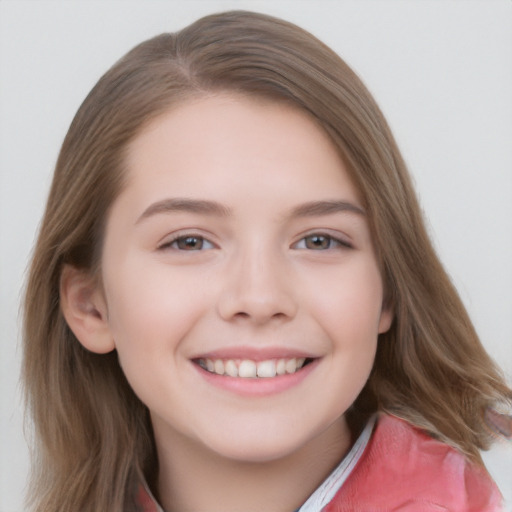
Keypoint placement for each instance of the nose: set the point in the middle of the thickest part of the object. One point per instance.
(257, 289)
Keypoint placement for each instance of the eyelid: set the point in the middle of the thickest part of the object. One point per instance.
(341, 241)
(170, 239)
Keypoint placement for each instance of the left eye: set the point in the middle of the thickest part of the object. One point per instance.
(188, 243)
(319, 242)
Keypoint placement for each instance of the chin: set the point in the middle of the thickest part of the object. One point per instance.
(256, 448)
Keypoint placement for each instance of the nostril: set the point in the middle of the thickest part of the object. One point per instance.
(258, 304)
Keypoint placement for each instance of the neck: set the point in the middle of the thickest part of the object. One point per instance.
(193, 478)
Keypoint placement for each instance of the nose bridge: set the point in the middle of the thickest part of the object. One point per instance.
(258, 285)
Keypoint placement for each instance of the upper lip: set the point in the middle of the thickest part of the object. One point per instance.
(255, 353)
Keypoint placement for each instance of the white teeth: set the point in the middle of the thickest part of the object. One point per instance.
(247, 368)
(291, 366)
(266, 369)
(231, 368)
(219, 366)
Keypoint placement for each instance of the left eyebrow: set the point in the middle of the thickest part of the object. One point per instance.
(318, 208)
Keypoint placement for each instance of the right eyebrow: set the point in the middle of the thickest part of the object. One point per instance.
(198, 206)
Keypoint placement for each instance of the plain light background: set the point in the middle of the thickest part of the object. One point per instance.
(441, 71)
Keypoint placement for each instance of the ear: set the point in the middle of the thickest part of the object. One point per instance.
(85, 310)
(386, 317)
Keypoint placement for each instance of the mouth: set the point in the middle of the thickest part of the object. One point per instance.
(250, 369)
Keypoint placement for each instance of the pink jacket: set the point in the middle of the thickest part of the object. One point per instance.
(404, 470)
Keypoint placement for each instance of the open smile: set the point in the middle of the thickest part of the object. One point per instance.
(254, 377)
(250, 369)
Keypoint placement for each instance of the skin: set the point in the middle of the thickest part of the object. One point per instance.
(261, 270)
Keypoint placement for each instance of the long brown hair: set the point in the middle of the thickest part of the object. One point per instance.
(93, 436)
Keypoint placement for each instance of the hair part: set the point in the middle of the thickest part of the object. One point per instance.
(93, 435)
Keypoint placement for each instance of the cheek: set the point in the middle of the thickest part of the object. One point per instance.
(150, 313)
(151, 309)
(349, 303)
(350, 314)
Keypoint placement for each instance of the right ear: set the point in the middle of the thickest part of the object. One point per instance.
(84, 307)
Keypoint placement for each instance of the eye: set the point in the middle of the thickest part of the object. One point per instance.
(188, 243)
(320, 242)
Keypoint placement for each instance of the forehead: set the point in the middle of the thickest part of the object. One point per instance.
(224, 146)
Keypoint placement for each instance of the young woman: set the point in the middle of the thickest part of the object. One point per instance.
(233, 302)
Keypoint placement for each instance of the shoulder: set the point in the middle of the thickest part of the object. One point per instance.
(403, 469)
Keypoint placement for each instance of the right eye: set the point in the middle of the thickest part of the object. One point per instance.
(187, 243)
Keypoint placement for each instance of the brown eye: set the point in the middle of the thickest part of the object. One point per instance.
(318, 242)
(190, 243)
(321, 242)
(187, 243)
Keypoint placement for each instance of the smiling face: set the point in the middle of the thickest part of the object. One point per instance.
(243, 293)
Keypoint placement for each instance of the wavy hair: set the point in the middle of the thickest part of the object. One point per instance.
(92, 436)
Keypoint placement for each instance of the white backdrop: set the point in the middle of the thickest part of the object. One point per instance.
(441, 71)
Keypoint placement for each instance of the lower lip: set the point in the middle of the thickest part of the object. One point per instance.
(258, 386)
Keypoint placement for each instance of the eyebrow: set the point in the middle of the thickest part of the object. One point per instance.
(198, 206)
(318, 208)
(204, 207)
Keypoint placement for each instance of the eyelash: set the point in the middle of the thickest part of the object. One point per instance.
(170, 244)
(332, 243)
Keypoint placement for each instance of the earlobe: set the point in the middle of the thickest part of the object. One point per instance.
(84, 308)
(386, 318)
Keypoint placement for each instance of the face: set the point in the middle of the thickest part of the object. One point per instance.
(242, 288)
